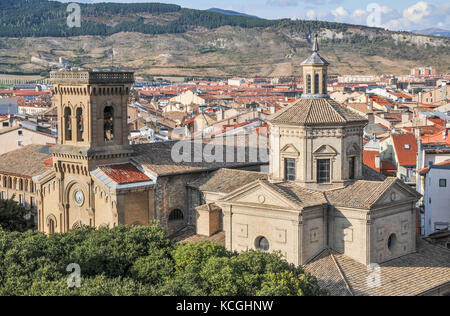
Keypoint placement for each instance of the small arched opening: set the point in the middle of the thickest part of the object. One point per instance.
(68, 124)
(108, 118)
(176, 215)
(308, 83)
(80, 125)
(316, 84)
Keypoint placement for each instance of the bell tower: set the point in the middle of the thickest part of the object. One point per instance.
(92, 113)
(315, 74)
(92, 131)
(316, 142)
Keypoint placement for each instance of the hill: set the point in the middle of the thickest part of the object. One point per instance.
(230, 12)
(166, 40)
(434, 32)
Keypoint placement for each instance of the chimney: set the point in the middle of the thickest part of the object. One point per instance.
(444, 90)
(272, 109)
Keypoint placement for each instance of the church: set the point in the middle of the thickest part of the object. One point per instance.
(318, 201)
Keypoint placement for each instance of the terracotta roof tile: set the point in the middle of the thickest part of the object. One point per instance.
(406, 149)
(369, 158)
(124, 173)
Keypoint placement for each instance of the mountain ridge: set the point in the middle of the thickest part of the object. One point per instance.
(156, 39)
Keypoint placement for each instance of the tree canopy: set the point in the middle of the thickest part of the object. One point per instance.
(13, 216)
(141, 261)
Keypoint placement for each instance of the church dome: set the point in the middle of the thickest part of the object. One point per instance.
(316, 111)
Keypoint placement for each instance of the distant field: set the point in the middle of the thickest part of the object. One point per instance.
(22, 78)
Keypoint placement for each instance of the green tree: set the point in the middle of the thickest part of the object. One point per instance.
(12, 216)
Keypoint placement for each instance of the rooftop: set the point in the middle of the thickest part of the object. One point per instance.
(410, 275)
(235, 179)
(28, 161)
(316, 111)
(406, 149)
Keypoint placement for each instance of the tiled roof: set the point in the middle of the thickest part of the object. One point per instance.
(316, 111)
(437, 138)
(406, 149)
(327, 273)
(410, 275)
(28, 161)
(369, 158)
(360, 107)
(297, 194)
(425, 170)
(370, 174)
(157, 158)
(363, 194)
(235, 179)
(124, 173)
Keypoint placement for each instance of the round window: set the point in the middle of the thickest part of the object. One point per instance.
(262, 244)
(392, 241)
(79, 197)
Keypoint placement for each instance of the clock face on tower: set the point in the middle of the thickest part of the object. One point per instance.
(79, 197)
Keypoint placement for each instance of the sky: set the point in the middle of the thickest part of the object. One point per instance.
(398, 15)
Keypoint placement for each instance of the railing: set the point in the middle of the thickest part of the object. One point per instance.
(91, 77)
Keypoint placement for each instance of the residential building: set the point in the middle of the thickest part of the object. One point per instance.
(436, 197)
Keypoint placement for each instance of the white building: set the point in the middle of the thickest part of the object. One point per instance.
(436, 199)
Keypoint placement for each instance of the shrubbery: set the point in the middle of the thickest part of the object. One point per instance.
(140, 261)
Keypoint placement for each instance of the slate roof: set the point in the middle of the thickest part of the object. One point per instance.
(226, 180)
(316, 111)
(410, 275)
(315, 59)
(28, 161)
(363, 194)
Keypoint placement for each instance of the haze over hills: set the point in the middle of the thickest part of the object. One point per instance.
(434, 32)
(167, 40)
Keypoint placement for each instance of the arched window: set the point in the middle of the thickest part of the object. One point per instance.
(324, 83)
(108, 118)
(51, 224)
(80, 125)
(262, 244)
(308, 84)
(176, 215)
(316, 84)
(392, 242)
(68, 123)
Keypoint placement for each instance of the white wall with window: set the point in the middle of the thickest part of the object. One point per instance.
(436, 199)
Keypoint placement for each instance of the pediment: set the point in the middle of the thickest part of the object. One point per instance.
(290, 149)
(325, 150)
(353, 149)
(396, 193)
(258, 193)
